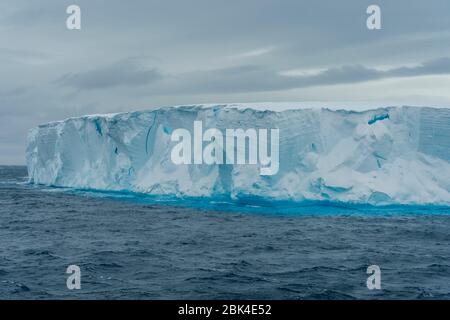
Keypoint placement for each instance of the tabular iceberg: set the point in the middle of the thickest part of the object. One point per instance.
(388, 155)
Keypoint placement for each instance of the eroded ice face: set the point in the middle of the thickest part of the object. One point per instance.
(387, 155)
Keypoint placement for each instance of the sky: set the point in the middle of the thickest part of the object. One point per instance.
(141, 54)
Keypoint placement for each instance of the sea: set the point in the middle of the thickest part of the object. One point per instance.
(130, 246)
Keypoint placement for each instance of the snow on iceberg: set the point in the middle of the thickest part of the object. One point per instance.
(381, 156)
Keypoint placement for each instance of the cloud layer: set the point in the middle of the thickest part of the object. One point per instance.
(244, 78)
(123, 73)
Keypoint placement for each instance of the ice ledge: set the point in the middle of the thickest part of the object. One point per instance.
(378, 156)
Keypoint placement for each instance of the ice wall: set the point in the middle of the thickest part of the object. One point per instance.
(381, 156)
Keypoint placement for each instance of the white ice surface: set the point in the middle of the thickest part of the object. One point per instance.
(325, 154)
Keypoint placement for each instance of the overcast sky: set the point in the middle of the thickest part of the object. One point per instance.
(140, 54)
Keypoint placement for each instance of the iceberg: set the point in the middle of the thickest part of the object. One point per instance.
(391, 155)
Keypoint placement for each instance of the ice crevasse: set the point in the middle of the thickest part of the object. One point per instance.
(397, 155)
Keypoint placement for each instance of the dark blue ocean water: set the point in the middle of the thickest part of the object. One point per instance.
(128, 246)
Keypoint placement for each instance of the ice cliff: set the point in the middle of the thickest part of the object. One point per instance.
(380, 156)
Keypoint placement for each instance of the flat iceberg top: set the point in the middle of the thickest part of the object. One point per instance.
(386, 155)
(351, 106)
(358, 106)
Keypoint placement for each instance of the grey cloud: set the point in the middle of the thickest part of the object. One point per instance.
(432, 67)
(238, 79)
(21, 90)
(122, 73)
(358, 73)
(252, 78)
(28, 57)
